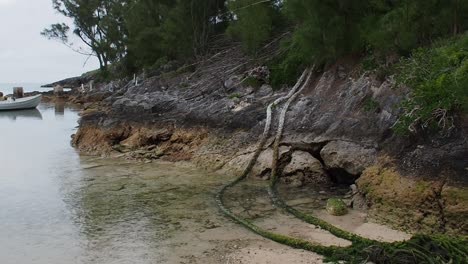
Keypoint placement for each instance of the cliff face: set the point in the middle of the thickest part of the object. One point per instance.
(338, 131)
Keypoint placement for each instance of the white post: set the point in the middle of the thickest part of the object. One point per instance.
(82, 88)
(91, 86)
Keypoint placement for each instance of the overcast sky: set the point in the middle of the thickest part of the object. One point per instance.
(26, 56)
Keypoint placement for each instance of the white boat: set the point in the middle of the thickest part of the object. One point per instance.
(21, 103)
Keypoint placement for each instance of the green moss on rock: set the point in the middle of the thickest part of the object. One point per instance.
(336, 207)
(414, 204)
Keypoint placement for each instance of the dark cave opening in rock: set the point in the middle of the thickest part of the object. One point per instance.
(340, 176)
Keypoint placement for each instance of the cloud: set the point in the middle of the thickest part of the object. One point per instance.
(6, 2)
(26, 56)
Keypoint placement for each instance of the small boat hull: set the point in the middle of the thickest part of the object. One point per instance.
(22, 103)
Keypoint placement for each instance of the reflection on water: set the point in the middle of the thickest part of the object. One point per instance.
(53, 207)
(60, 108)
(34, 154)
(18, 114)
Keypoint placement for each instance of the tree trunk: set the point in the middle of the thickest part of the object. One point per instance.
(455, 17)
(101, 65)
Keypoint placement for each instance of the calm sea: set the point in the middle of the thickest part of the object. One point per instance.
(57, 207)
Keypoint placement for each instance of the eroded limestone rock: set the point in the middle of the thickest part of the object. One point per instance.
(304, 168)
(263, 165)
(144, 137)
(351, 157)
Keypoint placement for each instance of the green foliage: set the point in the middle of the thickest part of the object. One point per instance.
(97, 23)
(285, 69)
(160, 62)
(234, 96)
(172, 29)
(143, 21)
(438, 78)
(253, 23)
(403, 25)
(370, 105)
(137, 33)
(327, 29)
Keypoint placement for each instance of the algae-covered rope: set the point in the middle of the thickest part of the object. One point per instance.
(272, 189)
(261, 144)
(338, 252)
(420, 249)
(296, 243)
(417, 250)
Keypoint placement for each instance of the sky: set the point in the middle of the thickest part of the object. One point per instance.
(28, 57)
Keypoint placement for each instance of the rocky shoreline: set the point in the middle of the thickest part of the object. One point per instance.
(339, 132)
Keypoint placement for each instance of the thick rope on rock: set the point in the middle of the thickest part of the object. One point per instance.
(420, 249)
(261, 144)
(296, 243)
(262, 140)
(272, 190)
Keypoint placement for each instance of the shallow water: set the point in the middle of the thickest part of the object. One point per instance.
(59, 207)
(34, 155)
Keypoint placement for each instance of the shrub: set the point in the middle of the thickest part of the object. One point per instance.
(438, 78)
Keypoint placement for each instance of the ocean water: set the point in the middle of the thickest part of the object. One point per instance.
(7, 88)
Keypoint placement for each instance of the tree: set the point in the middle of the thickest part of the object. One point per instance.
(143, 21)
(142, 33)
(400, 26)
(253, 21)
(171, 29)
(326, 29)
(190, 24)
(97, 23)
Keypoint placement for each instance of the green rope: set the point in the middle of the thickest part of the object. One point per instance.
(420, 249)
(272, 190)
